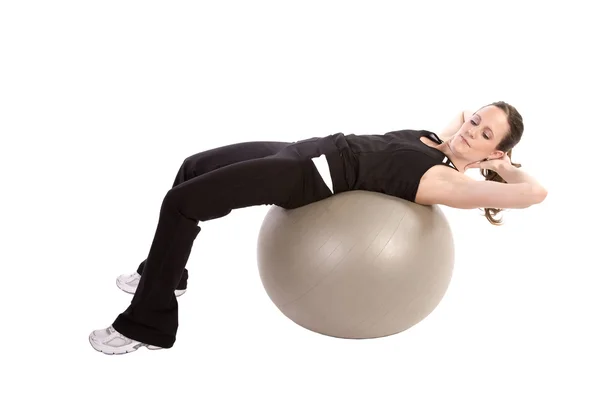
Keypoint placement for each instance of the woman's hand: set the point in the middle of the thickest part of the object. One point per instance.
(496, 165)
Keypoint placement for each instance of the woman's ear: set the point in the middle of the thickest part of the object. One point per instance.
(496, 155)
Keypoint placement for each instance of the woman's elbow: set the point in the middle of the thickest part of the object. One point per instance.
(537, 196)
(540, 195)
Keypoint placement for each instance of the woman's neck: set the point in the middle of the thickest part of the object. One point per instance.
(458, 162)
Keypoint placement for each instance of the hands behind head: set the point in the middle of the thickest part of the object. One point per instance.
(494, 165)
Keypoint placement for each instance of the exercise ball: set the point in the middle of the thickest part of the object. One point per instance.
(356, 265)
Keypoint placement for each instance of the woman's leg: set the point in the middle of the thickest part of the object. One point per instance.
(210, 160)
(283, 179)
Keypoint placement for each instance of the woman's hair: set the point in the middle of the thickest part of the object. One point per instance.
(515, 122)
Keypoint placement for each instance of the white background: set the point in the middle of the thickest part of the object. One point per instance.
(100, 102)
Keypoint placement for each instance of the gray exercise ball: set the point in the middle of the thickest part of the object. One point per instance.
(356, 265)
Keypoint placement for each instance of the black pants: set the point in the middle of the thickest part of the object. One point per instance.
(210, 185)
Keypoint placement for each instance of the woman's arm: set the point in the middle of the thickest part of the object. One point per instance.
(457, 190)
(512, 174)
(454, 125)
(509, 172)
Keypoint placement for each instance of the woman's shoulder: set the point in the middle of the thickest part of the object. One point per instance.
(430, 181)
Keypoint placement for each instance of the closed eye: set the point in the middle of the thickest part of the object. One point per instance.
(485, 135)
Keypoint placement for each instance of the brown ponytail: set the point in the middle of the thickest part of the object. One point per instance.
(515, 122)
(490, 175)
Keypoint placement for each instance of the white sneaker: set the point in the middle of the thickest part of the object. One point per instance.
(109, 341)
(129, 283)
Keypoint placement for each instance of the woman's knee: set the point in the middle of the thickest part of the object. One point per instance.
(179, 201)
(198, 164)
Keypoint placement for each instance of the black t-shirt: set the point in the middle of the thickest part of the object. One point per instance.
(392, 163)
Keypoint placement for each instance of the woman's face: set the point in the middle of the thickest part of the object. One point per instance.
(479, 136)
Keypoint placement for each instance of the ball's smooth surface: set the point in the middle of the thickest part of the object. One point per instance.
(356, 265)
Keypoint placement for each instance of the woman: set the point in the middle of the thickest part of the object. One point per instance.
(414, 165)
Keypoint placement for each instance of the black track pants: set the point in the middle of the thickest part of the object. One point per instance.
(210, 185)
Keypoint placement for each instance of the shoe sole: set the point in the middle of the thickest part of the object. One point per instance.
(130, 290)
(126, 349)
